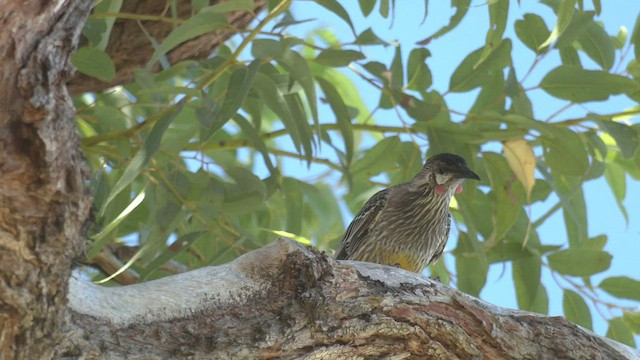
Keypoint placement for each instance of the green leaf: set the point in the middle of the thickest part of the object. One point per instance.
(579, 261)
(240, 83)
(579, 24)
(397, 71)
(632, 319)
(293, 203)
(254, 137)
(142, 157)
(635, 38)
(418, 73)
(197, 25)
(298, 67)
(378, 158)
(367, 37)
(342, 115)
(266, 48)
(574, 208)
(366, 6)
(565, 13)
(575, 309)
(95, 63)
(230, 6)
(336, 8)
(461, 6)
(245, 194)
(598, 45)
(468, 76)
(617, 179)
(532, 31)
(509, 195)
(471, 265)
(498, 11)
(565, 153)
(569, 57)
(619, 331)
(625, 136)
(622, 287)
(530, 293)
(338, 58)
(273, 98)
(578, 85)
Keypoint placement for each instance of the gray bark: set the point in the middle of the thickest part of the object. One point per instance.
(288, 302)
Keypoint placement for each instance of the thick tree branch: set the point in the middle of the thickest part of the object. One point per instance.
(286, 301)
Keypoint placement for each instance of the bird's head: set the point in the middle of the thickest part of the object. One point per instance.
(446, 172)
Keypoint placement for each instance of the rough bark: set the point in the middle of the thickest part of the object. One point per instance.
(130, 49)
(288, 302)
(43, 200)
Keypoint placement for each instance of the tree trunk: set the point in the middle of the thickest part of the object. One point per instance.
(43, 200)
(288, 302)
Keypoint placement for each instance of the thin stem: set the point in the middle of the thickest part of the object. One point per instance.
(166, 110)
(133, 16)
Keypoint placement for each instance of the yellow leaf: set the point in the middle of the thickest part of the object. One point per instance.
(522, 162)
(301, 239)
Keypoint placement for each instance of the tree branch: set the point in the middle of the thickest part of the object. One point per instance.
(287, 301)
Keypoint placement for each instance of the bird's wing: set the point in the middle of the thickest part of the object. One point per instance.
(361, 224)
(438, 253)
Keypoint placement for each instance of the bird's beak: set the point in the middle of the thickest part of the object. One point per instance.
(466, 173)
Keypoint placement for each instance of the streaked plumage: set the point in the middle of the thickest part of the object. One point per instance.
(407, 225)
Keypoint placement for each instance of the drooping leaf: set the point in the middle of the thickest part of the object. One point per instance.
(274, 99)
(299, 69)
(471, 265)
(366, 6)
(142, 157)
(508, 197)
(635, 38)
(575, 309)
(616, 178)
(632, 319)
(530, 293)
(342, 115)
(619, 331)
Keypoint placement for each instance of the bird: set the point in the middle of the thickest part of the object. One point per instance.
(407, 225)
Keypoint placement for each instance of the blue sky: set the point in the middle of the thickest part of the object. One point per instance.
(447, 52)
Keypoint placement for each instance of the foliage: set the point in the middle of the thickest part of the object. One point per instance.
(200, 162)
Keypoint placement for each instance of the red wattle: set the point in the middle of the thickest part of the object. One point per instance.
(459, 189)
(440, 189)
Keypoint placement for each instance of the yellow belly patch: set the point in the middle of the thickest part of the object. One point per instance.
(404, 260)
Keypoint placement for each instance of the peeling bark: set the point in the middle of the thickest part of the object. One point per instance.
(288, 302)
